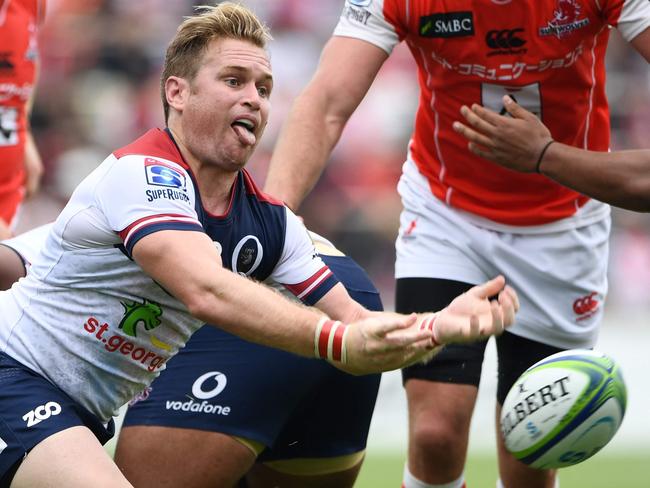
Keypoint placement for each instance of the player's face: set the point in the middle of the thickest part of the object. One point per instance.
(228, 106)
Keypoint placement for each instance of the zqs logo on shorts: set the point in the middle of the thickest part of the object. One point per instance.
(206, 386)
(42, 412)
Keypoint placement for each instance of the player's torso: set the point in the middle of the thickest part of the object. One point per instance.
(250, 236)
(18, 54)
(547, 54)
(88, 304)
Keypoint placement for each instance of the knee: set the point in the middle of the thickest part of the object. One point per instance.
(439, 436)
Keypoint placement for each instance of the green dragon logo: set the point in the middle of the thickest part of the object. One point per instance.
(147, 313)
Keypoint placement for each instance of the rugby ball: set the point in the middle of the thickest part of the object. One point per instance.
(564, 409)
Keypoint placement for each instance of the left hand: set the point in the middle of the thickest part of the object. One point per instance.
(472, 316)
(515, 142)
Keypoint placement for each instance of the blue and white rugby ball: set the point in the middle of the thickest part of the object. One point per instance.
(564, 409)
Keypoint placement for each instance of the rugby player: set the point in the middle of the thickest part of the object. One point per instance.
(465, 218)
(239, 400)
(21, 168)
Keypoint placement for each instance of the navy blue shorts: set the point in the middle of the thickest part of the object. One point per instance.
(297, 407)
(32, 409)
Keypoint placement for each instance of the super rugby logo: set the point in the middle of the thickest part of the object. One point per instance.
(163, 174)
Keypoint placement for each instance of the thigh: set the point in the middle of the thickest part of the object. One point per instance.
(332, 421)
(455, 363)
(149, 456)
(515, 355)
(31, 411)
(73, 458)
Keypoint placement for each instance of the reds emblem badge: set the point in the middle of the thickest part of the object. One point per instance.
(247, 255)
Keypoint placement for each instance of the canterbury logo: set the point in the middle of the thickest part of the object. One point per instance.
(504, 39)
(586, 304)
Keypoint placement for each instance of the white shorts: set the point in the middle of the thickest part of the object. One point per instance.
(558, 271)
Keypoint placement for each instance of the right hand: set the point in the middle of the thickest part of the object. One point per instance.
(515, 142)
(384, 342)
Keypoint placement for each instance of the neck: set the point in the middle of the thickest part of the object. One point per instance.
(214, 183)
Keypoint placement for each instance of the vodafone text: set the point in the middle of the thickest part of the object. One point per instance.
(193, 406)
(117, 343)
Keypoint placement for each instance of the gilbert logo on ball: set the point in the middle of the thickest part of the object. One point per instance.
(564, 409)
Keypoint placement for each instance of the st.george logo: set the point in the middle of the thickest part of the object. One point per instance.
(161, 174)
(146, 314)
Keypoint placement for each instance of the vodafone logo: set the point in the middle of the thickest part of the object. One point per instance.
(586, 305)
(209, 385)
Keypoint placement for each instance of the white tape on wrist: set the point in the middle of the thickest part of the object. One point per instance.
(330, 340)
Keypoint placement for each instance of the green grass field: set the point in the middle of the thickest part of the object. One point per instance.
(382, 470)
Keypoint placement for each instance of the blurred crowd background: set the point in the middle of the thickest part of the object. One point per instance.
(99, 89)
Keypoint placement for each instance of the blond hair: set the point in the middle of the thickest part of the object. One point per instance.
(226, 20)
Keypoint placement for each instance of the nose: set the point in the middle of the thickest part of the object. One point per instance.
(251, 97)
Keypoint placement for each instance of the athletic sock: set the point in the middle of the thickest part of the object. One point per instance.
(410, 481)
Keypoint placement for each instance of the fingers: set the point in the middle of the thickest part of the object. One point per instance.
(389, 322)
(489, 288)
(497, 318)
(480, 119)
(516, 110)
(489, 120)
(470, 134)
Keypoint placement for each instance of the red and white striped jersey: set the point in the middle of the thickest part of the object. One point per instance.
(549, 55)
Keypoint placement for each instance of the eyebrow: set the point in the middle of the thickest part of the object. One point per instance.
(235, 67)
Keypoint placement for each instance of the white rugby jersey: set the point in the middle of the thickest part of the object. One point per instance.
(89, 320)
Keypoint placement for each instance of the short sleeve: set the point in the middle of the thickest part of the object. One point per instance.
(139, 195)
(630, 17)
(365, 20)
(300, 268)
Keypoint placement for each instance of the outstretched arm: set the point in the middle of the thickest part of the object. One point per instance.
(251, 311)
(469, 317)
(346, 70)
(521, 142)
